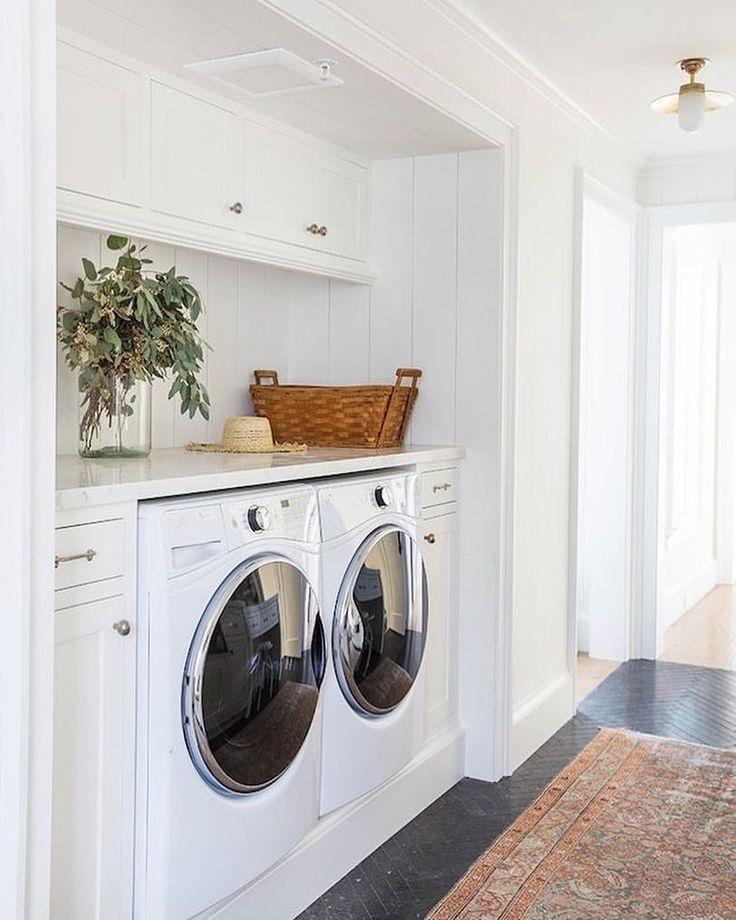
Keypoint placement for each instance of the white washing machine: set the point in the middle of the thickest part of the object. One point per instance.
(374, 597)
(232, 657)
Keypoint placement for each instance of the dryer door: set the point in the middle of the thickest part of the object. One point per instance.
(380, 623)
(253, 675)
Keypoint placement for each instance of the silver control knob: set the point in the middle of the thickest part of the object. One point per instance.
(383, 497)
(259, 518)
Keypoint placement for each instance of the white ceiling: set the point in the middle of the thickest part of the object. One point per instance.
(614, 57)
(367, 114)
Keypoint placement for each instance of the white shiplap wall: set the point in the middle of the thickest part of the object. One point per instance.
(315, 330)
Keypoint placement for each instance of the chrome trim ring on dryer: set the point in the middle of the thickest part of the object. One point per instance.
(380, 623)
(252, 676)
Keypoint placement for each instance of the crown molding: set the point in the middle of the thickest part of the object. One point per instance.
(456, 14)
(657, 166)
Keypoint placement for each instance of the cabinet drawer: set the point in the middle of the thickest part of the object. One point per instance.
(440, 487)
(89, 552)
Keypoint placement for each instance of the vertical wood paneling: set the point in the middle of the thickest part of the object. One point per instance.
(391, 295)
(434, 296)
(309, 331)
(224, 375)
(350, 329)
(313, 330)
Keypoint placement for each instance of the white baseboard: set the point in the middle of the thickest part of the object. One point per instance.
(539, 717)
(344, 838)
(681, 598)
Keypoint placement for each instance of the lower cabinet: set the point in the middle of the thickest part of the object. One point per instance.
(92, 849)
(439, 547)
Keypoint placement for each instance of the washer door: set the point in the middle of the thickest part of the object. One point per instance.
(380, 623)
(253, 675)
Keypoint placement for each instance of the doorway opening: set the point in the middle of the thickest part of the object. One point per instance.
(696, 520)
(602, 490)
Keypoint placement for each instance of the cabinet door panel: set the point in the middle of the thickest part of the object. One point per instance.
(92, 843)
(279, 185)
(100, 114)
(341, 204)
(195, 158)
(439, 550)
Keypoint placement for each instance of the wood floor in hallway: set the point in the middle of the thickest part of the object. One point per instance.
(706, 634)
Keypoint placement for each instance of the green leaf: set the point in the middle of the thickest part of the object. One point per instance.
(78, 288)
(111, 336)
(89, 269)
(117, 242)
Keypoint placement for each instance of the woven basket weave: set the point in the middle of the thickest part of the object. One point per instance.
(355, 416)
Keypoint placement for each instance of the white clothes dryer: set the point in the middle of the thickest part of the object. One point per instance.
(232, 656)
(374, 596)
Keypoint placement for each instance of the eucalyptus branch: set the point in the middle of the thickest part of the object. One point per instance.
(134, 323)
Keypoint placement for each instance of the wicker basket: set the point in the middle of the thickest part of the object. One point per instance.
(356, 416)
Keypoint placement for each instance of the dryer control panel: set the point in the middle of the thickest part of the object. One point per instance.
(354, 502)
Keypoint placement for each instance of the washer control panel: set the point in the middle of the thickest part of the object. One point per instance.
(289, 516)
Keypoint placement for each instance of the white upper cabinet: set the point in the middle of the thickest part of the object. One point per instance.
(341, 206)
(279, 184)
(202, 171)
(101, 110)
(195, 158)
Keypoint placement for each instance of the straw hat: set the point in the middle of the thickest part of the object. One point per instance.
(247, 434)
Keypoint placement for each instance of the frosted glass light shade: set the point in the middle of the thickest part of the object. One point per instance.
(691, 108)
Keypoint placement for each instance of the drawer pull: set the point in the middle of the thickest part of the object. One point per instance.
(122, 627)
(313, 229)
(442, 487)
(89, 556)
(322, 231)
(430, 537)
(237, 207)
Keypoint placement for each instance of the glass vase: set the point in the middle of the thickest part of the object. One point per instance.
(114, 417)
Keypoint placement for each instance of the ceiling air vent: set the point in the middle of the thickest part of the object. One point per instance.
(269, 72)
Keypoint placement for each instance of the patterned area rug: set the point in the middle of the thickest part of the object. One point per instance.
(636, 826)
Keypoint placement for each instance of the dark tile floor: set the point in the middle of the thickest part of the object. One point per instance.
(406, 876)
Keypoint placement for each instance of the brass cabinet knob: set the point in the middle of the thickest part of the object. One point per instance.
(237, 208)
(322, 230)
(313, 229)
(122, 627)
(430, 537)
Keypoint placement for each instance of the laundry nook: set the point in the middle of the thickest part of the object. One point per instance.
(368, 460)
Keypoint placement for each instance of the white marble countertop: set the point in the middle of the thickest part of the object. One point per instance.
(86, 483)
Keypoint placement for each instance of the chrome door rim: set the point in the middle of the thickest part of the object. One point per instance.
(192, 714)
(351, 693)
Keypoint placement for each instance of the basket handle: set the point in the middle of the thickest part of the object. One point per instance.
(402, 373)
(261, 375)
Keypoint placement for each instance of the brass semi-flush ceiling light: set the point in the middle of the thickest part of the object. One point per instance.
(693, 99)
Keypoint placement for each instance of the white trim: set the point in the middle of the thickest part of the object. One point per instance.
(346, 837)
(27, 367)
(327, 20)
(503, 52)
(657, 219)
(537, 718)
(109, 216)
(587, 186)
(503, 669)
(687, 164)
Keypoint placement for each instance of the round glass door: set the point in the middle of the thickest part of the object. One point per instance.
(253, 676)
(380, 625)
